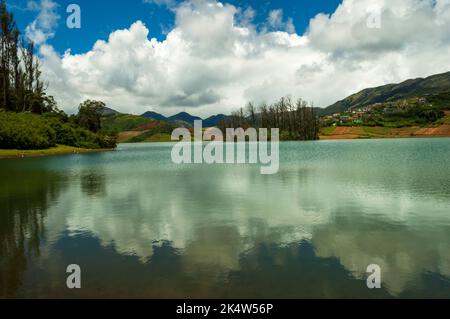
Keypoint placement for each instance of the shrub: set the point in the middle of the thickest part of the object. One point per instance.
(31, 131)
(25, 131)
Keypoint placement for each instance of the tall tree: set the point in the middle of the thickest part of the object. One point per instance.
(89, 115)
(20, 86)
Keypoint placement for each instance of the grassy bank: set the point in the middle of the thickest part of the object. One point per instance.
(53, 151)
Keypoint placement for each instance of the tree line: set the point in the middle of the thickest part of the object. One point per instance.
(295, 120)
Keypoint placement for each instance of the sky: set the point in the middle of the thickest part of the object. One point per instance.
(207, 57)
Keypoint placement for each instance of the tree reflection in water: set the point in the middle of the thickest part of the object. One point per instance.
(24, 198)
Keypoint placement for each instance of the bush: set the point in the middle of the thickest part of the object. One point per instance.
(30, 131)
(25, 131)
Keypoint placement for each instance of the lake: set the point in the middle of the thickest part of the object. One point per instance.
(142, 227)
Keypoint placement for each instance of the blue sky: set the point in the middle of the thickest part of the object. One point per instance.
(101, 17)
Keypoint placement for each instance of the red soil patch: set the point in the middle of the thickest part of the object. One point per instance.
(343, 133)
(341, 130)
(441, 130)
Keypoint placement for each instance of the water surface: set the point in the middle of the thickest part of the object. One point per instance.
(140, 226)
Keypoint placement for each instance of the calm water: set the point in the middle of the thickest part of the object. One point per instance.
(140, 226)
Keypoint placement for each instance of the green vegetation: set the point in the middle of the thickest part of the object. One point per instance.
(159, 137)
(376, 130)
(439, 100)
(27, 131)
(416, 111)
(89, 115)
(328, 130)
(124, 122)
(160, 133)
(403, 113)
(445, 120)
(57, 150)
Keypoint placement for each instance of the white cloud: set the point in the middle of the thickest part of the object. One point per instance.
(42, 28)
(275, 21)
(275, 18)
(215, 59)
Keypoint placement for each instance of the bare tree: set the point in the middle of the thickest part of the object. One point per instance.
(298, 121)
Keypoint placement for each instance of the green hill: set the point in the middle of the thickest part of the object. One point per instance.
(160, 133)
(435, 85)
(124, 122)
(134, 128)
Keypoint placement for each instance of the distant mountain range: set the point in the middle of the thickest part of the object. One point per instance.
(421, 87)
(150, 126)
(155, 127)
(435, 84)
(185, 118)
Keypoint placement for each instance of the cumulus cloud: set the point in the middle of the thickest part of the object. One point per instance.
(42, 28)
(275, 18)
(215, 59)
(246, 16)
(402, 24)
(275, 21)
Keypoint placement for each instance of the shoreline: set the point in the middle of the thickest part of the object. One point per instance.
(324, 138)
(70, 150)
(53, 151)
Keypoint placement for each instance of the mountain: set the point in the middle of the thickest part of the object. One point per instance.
(420, 87)
(184, 117)
(213, 120)
(155, 116)
(106, 111)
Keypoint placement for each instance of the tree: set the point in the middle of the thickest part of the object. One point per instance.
(21, 89)
(89, 115)
(7, 30)
(296, 121)
(251, 113)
